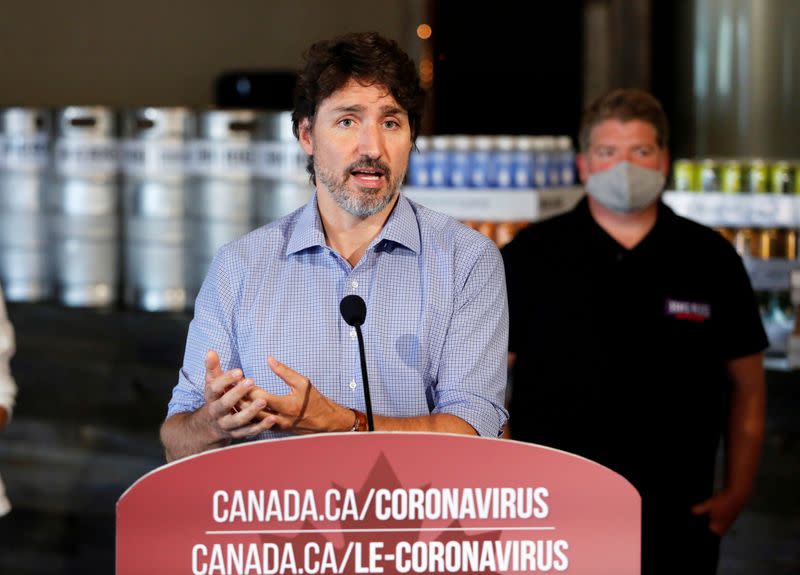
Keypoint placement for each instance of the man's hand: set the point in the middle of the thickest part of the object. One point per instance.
(217, 422)
(303, 410)
(229, 417)
(722, 509)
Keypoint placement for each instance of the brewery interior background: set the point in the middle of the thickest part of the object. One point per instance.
(94, 382)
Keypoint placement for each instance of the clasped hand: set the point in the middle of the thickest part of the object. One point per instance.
(240, 409)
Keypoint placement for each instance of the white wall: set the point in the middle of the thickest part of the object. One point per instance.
(168, 52)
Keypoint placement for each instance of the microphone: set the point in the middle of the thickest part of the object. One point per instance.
(354, 312)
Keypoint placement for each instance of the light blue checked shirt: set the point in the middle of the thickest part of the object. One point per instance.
(435, 333)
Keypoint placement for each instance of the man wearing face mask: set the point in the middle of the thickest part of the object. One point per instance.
(636, 341)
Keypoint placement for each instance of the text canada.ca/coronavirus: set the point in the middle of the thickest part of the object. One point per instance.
(517, 556)
(282, 505)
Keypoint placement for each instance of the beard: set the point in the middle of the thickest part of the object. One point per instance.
(362, 202)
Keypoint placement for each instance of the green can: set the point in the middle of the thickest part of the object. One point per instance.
(709, 176)
(731, 177)
(797, 178)
(782, 178)
(755, 177)
(683, 176)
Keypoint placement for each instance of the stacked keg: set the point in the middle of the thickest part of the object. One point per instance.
(191, 182)
(221, 203)
(24, 158)
(155, 164)
(280, 166)
(83, 201)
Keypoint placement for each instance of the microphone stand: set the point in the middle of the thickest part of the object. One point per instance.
(367, 400)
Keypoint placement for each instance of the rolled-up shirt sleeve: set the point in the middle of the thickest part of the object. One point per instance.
(8, 389)
(212, 328)
(472, 372)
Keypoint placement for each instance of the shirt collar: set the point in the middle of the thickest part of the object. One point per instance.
(602, 240)
(307, 232)
(401, 228)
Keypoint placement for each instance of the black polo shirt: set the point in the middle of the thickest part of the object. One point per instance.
(621, 353)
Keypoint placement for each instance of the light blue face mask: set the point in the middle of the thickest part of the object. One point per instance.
(626, 187)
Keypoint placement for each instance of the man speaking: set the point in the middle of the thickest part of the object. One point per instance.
(268, 352)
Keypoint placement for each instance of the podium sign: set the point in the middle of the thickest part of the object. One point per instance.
(380, 503)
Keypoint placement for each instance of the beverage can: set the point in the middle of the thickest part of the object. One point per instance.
(731, 177)
(683, 176)
(782, 177)
(566, 160)
(523, 162)
(460, 161)
(755, 177)
(439, 161)
(480, 157)
(709, 176)
(418, 168)
(501, 162)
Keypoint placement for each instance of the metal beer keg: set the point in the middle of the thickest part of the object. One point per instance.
(282, 183)
(155, 165)
(221, 203)
(84, 206)
(25, 135)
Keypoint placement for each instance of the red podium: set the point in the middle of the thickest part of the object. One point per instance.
(380, 503)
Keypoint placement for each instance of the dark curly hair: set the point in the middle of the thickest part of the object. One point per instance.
(625, 105)
(366, 57)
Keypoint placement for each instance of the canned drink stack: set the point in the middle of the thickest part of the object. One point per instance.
(480, 158)
(790, 241)
(731, 176)
(566, 161)
(796, 170)
(501, 162)
(24, 157)
(746, 242)
(84, 205)
(755, 177)
(155, 166)
(783, 178)
(418, 163)
(221, 202)
(769, 244)
(459, 161)
(683, 176)
(282, 182)
(541, 162)
(709, 176)
(439, 161)
(523, 162)
(552, 162)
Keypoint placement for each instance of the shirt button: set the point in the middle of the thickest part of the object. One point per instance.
(352, 384)
(353, 333)
(354, 284)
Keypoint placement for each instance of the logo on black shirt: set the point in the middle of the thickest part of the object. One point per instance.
(688, 310)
